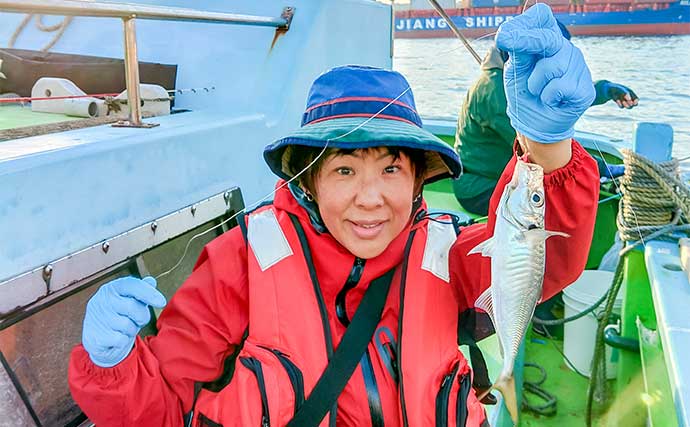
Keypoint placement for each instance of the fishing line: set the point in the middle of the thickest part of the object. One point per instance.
(486, 36)
(269, 195)
(638, 229)
(251, 206)
(618, 189)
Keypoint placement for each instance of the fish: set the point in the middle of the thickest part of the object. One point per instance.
(518, 258)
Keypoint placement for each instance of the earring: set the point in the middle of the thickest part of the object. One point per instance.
(308, 196)
(416, 199)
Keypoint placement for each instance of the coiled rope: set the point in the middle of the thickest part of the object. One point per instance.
(655, 202)
(59, 27)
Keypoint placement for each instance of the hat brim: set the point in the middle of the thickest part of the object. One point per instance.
(361, 132)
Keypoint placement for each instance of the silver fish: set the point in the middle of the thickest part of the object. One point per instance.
(518, 258)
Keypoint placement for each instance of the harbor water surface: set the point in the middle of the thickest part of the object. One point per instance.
(657, 68)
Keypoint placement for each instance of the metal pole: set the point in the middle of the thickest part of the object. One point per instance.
(455, 29)
(392, 29)
(132, 77)
(125, 11)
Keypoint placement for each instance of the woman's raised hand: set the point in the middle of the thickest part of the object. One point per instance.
(547, 83)
(114, 316)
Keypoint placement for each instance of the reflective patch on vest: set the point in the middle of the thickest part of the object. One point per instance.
(266, 238)
(440, 237)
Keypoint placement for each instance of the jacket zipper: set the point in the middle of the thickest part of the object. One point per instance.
(254, 365)
(463, 393)
(373, 395)
(389, 348)
(403, 282)
(352, 281)
(319, 300)
(443, 398)
(294, 374)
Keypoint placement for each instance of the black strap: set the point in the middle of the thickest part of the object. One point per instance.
(472, 328)
(346, 356)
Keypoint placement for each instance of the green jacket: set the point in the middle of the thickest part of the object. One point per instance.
(484, 137)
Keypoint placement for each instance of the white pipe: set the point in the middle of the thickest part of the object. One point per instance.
(83, 107)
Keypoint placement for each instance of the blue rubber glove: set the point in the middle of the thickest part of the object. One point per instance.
(607, 170)
(623, 96)
(547, 83)
(114, 316)
(614, 171)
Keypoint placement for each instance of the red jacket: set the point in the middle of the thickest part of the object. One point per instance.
(206, 319)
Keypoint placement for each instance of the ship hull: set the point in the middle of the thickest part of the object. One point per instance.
(586, 20)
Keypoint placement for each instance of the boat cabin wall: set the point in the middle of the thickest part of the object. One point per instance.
(79, 194)
(249, 70)
(62, 192)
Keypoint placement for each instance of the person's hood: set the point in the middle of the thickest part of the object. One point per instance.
(492, 59)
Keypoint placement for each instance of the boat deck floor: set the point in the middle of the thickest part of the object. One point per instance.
(15, 116)
(569, 388)
(18, 121)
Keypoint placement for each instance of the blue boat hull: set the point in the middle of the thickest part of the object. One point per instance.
(598, 19)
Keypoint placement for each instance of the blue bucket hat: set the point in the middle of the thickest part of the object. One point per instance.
(346, 97)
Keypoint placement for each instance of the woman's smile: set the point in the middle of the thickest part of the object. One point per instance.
(365, 198)
(367, 229)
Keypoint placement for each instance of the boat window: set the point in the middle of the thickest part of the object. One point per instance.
(36, 341)
(36, 355)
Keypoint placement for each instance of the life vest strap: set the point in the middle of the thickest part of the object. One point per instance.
(347, 356)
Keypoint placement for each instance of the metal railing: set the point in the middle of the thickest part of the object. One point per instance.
(128, 13)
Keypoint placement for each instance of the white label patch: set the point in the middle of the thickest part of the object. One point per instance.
(266, 238)
(440, 238)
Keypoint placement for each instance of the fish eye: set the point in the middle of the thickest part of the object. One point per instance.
(537, 199)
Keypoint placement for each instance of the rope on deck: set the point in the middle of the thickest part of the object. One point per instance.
(60, 28)
(655, 203)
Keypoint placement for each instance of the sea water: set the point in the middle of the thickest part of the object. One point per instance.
(657, 68)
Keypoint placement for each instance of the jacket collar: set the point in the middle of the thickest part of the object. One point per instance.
(332, 261)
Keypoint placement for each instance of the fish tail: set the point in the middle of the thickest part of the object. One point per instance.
(506, 385)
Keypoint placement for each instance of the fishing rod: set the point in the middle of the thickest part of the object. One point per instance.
(455, 29)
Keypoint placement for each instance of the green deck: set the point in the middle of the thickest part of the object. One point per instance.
(15, 116)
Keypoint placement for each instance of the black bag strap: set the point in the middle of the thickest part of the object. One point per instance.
(346, 356)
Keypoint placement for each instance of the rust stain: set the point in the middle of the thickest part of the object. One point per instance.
(279, 32)
(287, 14)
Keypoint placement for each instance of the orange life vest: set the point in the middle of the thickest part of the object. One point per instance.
(289, 344)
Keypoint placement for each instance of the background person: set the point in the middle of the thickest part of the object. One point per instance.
(484, 137)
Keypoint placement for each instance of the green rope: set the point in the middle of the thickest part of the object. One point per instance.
(655, 203)
(548, 407)
(597, 377)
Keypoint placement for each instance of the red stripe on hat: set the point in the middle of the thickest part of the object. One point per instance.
(360, 98)
(342, 116)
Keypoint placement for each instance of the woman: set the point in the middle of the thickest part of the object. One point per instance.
(247, 338)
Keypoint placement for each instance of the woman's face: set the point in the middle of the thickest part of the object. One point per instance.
(365, 198)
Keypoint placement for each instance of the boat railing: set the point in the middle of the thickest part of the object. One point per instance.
(32, 291)
(129, 13)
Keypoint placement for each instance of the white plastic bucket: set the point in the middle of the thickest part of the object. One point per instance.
(580, 335)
